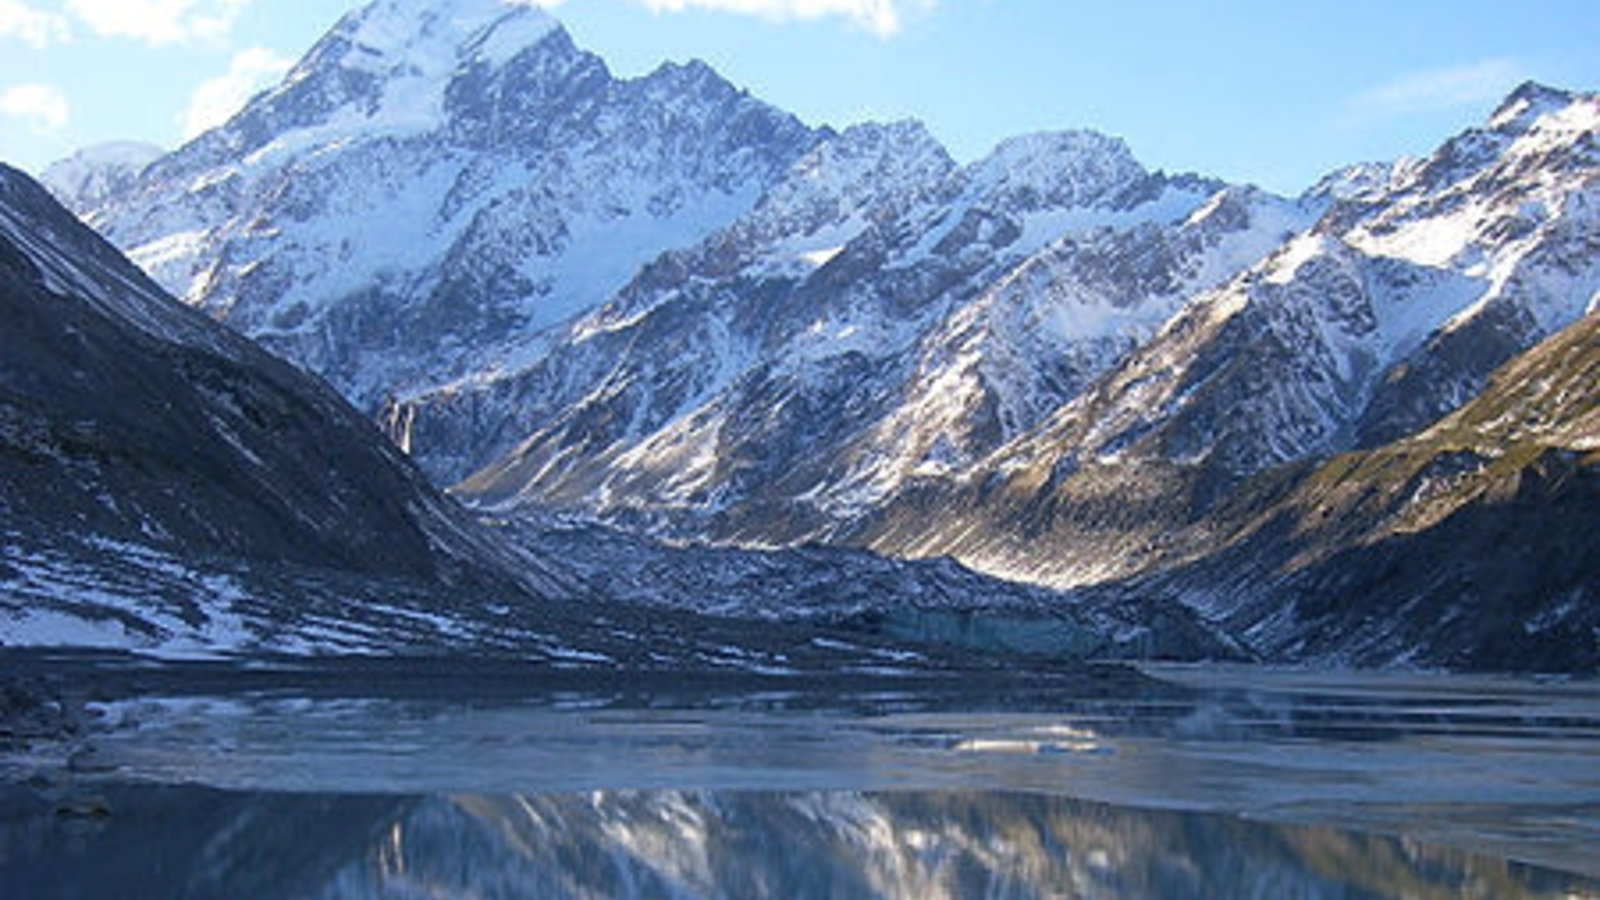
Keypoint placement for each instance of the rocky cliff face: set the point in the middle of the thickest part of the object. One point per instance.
(772, 384)
(1467, 544)
(136, 416)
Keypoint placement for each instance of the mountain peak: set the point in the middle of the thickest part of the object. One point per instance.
(906, 140)
(1358, 182)
(1525, 105)
(687, 72)
(1047, 148)
(387, 68)
(440, 34)
(1065, 168)
(85, 179)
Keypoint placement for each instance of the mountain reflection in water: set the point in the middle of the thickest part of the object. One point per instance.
(346, 781)
(190, 842)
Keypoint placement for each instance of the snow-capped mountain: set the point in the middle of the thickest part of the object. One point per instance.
(648, 299)
(437, 182)
(772, 384)
(1391, 311)
(166, 486)
(92, 176)
(665, 306)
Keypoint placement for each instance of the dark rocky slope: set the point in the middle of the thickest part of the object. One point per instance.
(129, 416)
(1470, 544)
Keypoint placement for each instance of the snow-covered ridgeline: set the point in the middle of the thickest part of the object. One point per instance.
(435, 184)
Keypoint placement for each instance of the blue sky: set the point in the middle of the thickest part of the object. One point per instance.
(1265, 91)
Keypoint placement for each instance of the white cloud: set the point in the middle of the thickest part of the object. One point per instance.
(881, 17)
(159, 22)
(1437, 89)
(43, 106)
(33, 27)
(217, 99)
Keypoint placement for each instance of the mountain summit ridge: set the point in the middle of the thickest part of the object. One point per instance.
(434, 184)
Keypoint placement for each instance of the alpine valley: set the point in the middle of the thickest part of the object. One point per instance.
(687, 363)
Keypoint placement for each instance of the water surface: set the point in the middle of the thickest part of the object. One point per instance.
(1208, 783)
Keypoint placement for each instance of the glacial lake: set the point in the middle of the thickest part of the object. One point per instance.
(1204, 782)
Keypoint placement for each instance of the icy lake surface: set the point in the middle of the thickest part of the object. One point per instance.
(1218, 783)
